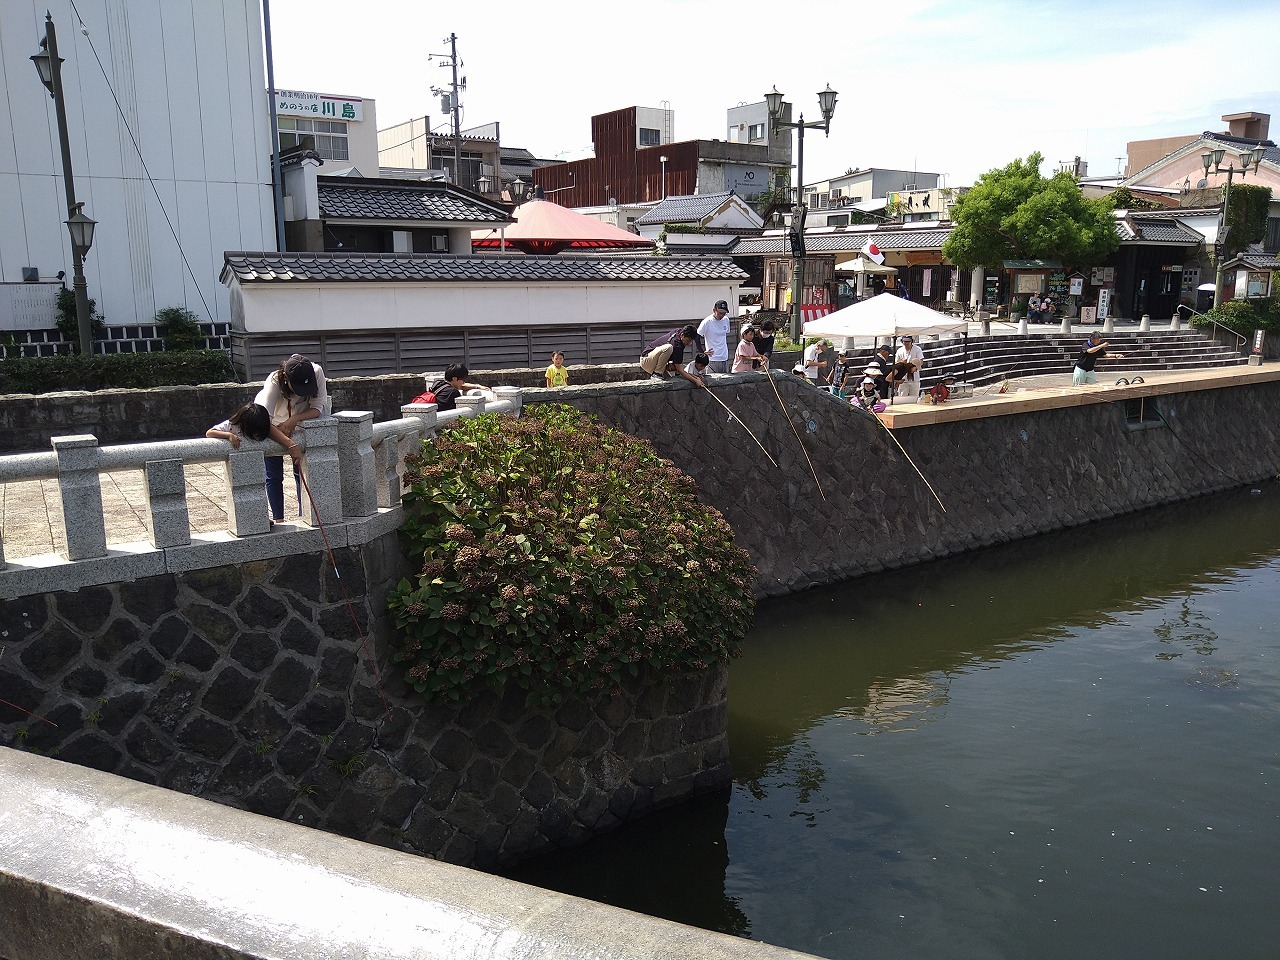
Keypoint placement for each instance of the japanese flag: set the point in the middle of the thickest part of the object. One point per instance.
(872, 252)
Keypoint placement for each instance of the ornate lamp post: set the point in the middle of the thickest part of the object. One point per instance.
(1214, 159)
(777, 107)
(49, 66)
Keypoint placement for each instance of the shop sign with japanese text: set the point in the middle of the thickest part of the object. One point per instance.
(303, 103)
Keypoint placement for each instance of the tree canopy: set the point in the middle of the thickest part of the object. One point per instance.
(1015, 213)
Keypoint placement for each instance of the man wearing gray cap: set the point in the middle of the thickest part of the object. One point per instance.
(714, 330)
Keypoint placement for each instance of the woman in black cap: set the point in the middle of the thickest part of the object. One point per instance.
(295, 391)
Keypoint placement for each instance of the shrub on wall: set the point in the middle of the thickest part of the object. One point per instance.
(179, 327)
(68, 321)
(104, 371)
(558, 556)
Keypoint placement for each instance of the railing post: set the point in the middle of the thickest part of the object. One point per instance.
(470, 406)
(356, 463)
(389, 465)
(321, 473)
(514, 394)
(166, 492)
(246, 494)
(81, 493)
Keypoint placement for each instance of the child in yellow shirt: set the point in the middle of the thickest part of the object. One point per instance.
(557, 373)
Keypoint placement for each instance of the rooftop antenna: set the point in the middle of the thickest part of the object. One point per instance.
(1119, 167)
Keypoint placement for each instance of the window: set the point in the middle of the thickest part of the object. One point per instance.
(650, 137)
(330, 136)
(755, 132)
(1273, 235)
(839, 220)
(472, 167)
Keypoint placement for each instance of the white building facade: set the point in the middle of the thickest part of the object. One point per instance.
(175, 175)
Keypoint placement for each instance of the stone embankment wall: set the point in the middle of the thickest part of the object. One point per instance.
(29, 421)
(249, 685)
(844, 501)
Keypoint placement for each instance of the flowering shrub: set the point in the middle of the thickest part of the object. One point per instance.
(557, 556)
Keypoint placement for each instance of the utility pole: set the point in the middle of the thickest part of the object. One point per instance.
(457, 121)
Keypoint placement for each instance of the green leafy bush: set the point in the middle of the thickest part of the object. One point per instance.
(1246, 316)
(559, 555)
(101, 372)
(179, 328)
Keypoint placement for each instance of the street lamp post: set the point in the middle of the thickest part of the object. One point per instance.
(49, 65)
(777, 107)
(1214, 159)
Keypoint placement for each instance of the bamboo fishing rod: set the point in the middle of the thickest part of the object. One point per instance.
(768, 373)
(739, 420)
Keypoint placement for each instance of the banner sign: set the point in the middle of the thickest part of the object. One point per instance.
(301, 103)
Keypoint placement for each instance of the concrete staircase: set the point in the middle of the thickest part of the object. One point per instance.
(995, 358)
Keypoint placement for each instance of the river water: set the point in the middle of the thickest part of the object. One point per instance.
(1066, 747)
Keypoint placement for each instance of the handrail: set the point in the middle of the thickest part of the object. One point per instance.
(351, 469)
(1235, 333)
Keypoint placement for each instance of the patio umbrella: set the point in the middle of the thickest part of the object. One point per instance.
(543, 226)
(861, 264)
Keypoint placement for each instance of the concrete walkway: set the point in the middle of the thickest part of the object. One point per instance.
(31, 510)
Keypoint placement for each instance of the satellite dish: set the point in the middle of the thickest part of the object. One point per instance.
(1202, 183)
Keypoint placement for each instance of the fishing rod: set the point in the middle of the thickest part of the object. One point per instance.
(735, 417)
(373, 666)
(800, 441)
(919, 473)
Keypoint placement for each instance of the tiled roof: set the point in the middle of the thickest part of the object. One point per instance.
(1155, 230)
(343, 199)
(685, 209)
(1258, 261)
(1239, 144)
(845, 242)
(408, 268)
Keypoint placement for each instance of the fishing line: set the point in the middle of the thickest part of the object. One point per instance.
(373, 666)
(800, 441)
(744, 426)
(24, 709)
(877, 419)
(1196, 453)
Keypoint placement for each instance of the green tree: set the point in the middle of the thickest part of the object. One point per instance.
(1015, 213)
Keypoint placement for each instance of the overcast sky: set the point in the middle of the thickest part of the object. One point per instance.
(944, 86)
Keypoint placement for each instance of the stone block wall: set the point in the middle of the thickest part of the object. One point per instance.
(249, 685)
(844, 501)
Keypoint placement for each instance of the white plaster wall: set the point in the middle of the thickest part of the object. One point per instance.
(332, 307)
(190, 79)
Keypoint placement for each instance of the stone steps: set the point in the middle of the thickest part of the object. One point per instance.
(991, 359)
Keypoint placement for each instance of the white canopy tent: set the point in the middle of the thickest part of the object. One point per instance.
(886, 315)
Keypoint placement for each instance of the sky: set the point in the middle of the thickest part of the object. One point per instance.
(939, 86)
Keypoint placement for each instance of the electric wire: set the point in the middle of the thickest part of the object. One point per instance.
(141, 159)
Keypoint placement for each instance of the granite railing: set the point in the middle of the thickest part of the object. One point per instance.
(351, 468)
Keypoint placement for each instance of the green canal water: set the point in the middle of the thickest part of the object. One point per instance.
(1067, 747)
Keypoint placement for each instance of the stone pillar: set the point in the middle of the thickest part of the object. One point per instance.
(320, 471)
(81, 492)
(1022, 326)
(986, 327)
(356, 464)
(166, 493)
(1144, 325)
(389, 487)
(470, 406)
(1109, 325)
(513, 394)
(977, 277)
(1175, 323)
(246, 494)
(1066, 325)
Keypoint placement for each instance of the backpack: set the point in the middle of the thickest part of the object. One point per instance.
(430, 395)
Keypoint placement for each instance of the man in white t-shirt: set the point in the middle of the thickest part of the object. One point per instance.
(814, 365)
(909, 359)
(714, 331)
